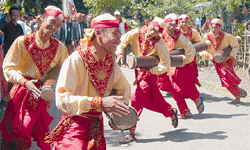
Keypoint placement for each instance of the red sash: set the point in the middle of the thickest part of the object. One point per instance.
(146, 45)
(99, 72)
(171, 40)
(216, 41)
(41, 57)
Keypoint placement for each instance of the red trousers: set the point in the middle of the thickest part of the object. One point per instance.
(228, 77)
(147, 95)
(80, 134)
(24, 118)
(182, 84)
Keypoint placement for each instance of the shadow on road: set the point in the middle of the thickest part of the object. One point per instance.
(218, 116)
(210, 98)
(113, 137)
(182, 136)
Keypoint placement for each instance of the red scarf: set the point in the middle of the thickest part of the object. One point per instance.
(171, 40)
(99, 72)
(146, 45)
(188, 34)
(216, 41)
(41, 57)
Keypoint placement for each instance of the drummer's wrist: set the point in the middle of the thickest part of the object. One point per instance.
(23, 81)
(96, 103)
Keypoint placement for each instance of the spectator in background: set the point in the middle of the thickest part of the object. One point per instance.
(135, 23)
(234, 27)
(139, 15)
(67, 34)
(25, 24)
(89, 19)
(165, 14)
(246, 16)
(238, 13)
(203, 19)
(123, 26)
(205, 26)
(197, 20)
(83, 24)
(76, 30)
(35, 24)
(12, 30)
(129, 15)
(2, 18)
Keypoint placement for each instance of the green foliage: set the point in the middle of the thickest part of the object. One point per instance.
(97, 6)
(241, 28)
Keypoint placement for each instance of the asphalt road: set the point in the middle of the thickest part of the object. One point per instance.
(221, 126)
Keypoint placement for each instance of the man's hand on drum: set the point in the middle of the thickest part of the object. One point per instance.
(113, 104)
(118, 59)
(33, 90)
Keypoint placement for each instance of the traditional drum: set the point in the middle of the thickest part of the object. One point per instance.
(141, 61)
(199, 47)
(202, 46)
(151, 61)
(48, 87)
(177, 60)
(177, 52)
(223, 54)
(125, 122)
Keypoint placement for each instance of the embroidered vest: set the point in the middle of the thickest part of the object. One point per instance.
(188, 34)
(41, 57)
(171, 40)
(99, 72)
(216, 41)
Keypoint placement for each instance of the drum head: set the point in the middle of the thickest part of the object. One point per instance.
(125, 122)
(131, 61)
(218, 58)
(48, 94)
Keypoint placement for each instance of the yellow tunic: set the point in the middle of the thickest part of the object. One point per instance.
(74, 90)
(227, 40)
(196, 37)
(19, 63)
(159, 49)
(184, 43)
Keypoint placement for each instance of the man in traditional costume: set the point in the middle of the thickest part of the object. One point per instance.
(191, 69)
(146, 41)
(28, 60)
(86, 79)
(220, 40)
(181, 81)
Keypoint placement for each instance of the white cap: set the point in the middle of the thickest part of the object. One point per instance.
(117, 13)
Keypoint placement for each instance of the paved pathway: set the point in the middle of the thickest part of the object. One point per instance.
(221, 126)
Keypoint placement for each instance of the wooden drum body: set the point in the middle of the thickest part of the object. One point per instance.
(222, 55)
(202, 46)
(151, 61)
(141, 61)
(48, 87)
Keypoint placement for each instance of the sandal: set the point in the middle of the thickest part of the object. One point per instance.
(126, 140)
(201, 104)
(175, 120)
(235, 101)
(243, 93)
(185, 117)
